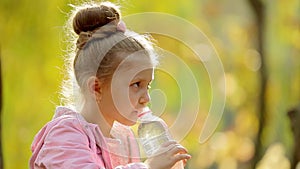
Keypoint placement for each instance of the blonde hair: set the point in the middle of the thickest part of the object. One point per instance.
(99, 44)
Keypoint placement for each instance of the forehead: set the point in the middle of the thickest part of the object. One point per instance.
(136, 61)
(136, 65)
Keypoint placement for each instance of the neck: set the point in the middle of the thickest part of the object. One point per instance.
(92, 114)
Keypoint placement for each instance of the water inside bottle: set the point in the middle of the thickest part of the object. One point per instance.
(152, 135)
(153, 132)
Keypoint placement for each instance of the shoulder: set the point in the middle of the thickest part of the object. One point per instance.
(66, 122)
(64, 137)
(65, 118)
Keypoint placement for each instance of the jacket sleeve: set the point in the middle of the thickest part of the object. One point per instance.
(67, 146)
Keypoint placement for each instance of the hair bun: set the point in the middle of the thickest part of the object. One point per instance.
(92, 17)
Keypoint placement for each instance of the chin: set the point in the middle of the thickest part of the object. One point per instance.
(130, 123)
(127, 122)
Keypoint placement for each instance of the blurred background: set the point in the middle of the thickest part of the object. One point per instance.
(258, 43)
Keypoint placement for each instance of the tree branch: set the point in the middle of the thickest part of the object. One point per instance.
(259, 12)
(1, 101)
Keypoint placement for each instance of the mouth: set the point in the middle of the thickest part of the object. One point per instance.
(141, 112)
(135, 112)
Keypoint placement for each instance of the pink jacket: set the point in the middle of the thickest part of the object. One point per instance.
(68, 141)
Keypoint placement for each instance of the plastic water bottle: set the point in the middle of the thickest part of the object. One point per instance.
(153, 132)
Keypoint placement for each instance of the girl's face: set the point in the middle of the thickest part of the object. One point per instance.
(127, 93)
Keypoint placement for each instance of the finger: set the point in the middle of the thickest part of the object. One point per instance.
(184, 162)
(177, 148)
(170, 148)
(183, 157)
(168, 143)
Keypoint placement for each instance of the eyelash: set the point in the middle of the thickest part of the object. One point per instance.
(139, 83)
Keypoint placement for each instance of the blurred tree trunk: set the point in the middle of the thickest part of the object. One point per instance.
(259, 13)
(1, 155)
(294, 115)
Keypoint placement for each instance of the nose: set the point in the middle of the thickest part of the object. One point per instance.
(145, 98)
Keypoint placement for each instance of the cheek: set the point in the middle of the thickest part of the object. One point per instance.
(123, 99)
(133, 96)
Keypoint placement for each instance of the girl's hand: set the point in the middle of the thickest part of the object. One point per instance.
(167, 156)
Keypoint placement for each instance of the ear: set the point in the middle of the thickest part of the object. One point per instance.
(94, 85)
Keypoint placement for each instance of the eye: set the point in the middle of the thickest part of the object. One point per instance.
(140, 84)
(136, 84)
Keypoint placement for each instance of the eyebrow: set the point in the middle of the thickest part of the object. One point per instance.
(141, 79)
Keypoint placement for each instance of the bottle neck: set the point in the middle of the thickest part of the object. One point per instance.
(147, 115)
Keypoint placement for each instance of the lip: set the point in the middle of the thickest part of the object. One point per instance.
(136, 112)
(140, 112)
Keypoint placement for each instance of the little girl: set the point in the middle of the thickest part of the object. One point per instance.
(113, 68)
